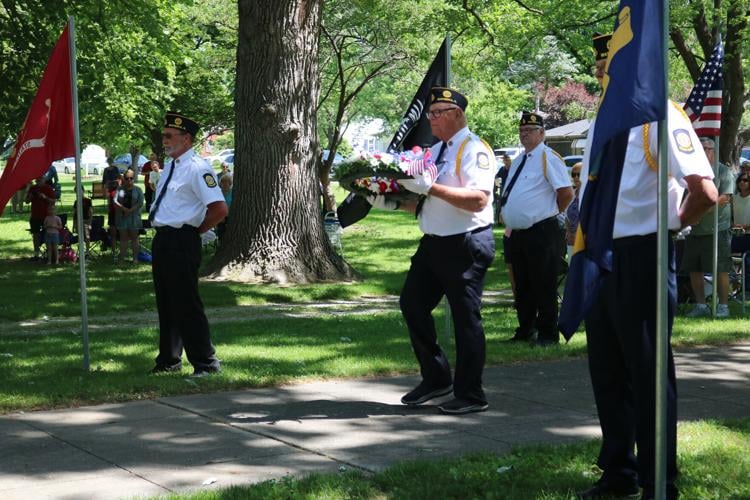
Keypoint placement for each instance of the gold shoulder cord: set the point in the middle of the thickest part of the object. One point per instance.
(461, 153)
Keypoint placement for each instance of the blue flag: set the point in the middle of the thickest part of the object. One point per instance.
(633, 93)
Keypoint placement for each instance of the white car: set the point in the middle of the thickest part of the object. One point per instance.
(512, 152)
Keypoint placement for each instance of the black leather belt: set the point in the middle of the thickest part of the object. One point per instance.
(473, 231)
(170, 229)
(537, 224)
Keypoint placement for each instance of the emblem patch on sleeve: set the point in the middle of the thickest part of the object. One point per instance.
(683, 141)
(483, 160)
(210, 180)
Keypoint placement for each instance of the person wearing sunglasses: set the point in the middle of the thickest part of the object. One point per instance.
(128, 206)
(741, 214)
(571, 214)
(187, 203)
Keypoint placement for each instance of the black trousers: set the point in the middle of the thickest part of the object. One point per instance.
(621, 343)
(536, 254)
(176, 255)
(149, 197)
(454, 266)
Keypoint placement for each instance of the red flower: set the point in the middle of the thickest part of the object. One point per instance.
(383, 186)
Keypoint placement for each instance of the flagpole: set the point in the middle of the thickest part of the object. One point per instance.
(79, 196)
(662, 266)
(715, 166)
(448, 78)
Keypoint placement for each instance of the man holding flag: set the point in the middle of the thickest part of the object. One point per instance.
(612, 280)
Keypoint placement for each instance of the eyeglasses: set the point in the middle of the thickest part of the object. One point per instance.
(743, 180)
(435, 113)
(575, 174)
(129, 178)
(169, 135)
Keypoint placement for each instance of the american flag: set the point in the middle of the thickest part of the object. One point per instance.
(417, 167)
(704, 104)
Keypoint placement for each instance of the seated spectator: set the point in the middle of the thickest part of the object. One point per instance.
(698, 256)
(572, 212)
(741, 215)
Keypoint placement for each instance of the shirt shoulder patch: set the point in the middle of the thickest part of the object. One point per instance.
(483, 160)
(210, 180)
(683, 140)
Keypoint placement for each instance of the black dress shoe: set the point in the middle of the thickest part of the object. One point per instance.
(205, 372)
(166, 368)
(546, 343)
(610, 489)
(423, 393)
(461, 406)
(523, 337)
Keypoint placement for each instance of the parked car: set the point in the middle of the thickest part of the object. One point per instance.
(572, 160)
(337, 158)
(745, 154)
(124, 161)
(68, 166)
(512, 152)
(221, 156)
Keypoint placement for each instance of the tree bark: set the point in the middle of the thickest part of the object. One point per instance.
(275, 229)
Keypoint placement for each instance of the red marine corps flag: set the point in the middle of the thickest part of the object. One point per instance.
(47, 133)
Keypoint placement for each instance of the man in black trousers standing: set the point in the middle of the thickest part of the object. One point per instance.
(188, 203)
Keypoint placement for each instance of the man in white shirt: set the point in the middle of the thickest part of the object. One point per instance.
(188, 203)
(458, 246)
(538, 188)
(621, 325)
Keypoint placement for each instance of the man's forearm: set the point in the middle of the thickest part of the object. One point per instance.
(702, 195)
(215, 213)
(472, 200)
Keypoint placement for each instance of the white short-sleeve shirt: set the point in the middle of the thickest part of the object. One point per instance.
(636, 203)
(477, 171)
(191, 189)
(533, 197)
(741, 209)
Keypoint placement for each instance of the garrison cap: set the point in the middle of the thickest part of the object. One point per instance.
(445, 94)
(601, 45)
(531, 118)
(180, 122)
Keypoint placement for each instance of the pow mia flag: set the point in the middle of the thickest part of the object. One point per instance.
(415, 127)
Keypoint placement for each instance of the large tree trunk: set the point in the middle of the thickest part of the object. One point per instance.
(275, 228)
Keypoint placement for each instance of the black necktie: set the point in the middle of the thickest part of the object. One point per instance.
(437, 161)
(506, 191)
(152, 214)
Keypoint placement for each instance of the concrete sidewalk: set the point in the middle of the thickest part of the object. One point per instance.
(178, 443)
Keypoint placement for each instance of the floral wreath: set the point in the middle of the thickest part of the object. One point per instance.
(377, 174)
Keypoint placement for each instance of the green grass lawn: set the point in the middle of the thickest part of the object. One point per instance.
(45, 370)
(713, 461)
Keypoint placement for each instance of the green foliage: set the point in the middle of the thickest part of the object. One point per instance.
(134, 62)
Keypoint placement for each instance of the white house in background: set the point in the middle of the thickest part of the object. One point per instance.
(569, 139)
(365, 136)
